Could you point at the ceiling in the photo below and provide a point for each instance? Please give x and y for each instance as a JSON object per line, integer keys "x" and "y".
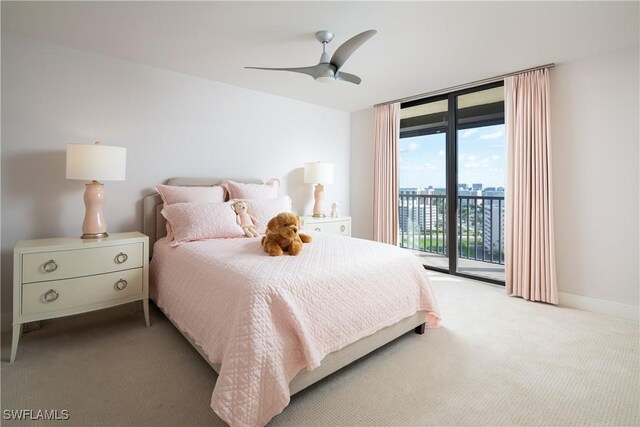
{"x": 420, "y": 46}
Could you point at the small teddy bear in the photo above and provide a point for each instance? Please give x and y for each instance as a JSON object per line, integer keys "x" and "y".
{"x": 282, "y": 235}
{"x": 246, "y": 221}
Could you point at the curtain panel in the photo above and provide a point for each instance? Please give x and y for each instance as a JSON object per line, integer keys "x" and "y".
{"x": 385, "y": 174}
{"x": 530, "y": 270}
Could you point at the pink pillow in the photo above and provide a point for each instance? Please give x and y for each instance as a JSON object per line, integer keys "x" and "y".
{"x": 268, "y": 190}
{"x": 176, "y": 194}
{"x": 264, "y": 210}
{"x": 201, "y": 221}
{"x": 171, "y": 194}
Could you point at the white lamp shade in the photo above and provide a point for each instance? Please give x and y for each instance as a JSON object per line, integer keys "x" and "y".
{"x": 96, "y": 162}
{"x": 318, "y": 173}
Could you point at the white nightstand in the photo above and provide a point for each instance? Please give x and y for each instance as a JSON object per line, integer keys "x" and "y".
{"x": 60, "y": 277}
{"x": 340, "y": 225}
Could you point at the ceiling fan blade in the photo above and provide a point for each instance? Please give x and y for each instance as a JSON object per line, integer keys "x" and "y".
{"x": 347, "y": 48}
{"x": 351, "y": 78}
{"x": 310, "y": 71}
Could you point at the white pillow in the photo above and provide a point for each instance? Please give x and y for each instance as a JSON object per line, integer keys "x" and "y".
{"x": 201, "y": 221}
{"x": 264, "y": 210}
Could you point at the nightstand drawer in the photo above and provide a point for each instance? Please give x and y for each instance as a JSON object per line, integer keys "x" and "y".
{"x": 336, "y": 227}
{"x": 44, "y": 297}
{"x": 45, "y": 266}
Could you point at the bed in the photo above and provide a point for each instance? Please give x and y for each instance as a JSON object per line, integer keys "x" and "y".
{"x": 272, "y": 326}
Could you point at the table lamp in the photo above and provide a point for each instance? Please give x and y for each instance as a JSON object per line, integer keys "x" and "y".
{"x": 318, "y": 173}
{"x": 95, "y": 163}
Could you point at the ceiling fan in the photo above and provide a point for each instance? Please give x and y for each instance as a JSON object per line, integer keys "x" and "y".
{"x": 329, "y": 69}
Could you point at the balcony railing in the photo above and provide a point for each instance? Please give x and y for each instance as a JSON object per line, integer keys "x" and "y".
{"x": 480, "y": 226}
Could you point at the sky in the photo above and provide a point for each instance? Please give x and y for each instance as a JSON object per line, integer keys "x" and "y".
{"x": 481, "y": 158}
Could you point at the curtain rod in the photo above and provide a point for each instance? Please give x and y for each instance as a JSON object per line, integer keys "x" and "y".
{"x": 465, "y": 86}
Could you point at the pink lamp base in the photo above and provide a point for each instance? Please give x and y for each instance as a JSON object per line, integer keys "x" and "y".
{"x": 318, "y": 196}
{"x": 94, "y": 225}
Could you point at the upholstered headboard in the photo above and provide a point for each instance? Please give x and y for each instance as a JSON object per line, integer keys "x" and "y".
{"x": 154, "y": 224}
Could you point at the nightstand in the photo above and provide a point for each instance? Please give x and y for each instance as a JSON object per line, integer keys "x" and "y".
{"x": 340, "y": 225}
{"x": 59, "y": 277}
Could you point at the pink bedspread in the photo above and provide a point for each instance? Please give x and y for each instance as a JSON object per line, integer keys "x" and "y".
{"x": 266, "y": 318}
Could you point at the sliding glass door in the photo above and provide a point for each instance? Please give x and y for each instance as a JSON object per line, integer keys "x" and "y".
{"x": 422, "y": 181}
{"x": 451, "y": 153}
{"x": 480, "y": 183}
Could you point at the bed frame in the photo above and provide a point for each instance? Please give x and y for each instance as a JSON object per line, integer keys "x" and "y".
{"x": 154, "y": 227}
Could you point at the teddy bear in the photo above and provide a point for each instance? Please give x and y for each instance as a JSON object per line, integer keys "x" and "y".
{"x": 282, "y": 235}
{"x": 245, "y": 221}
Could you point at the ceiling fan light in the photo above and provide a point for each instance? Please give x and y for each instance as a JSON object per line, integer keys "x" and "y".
{"x": 325, "y": 79}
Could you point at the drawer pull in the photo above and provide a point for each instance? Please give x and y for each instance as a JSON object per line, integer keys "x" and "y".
{"x": 121, "y": 284}
{"x": 121, "y": 258}
{"x": 51, "y": 296}
{"x": 318, "y": 229}
{"x": 342, "y": 228}
{"x": 50, "y": 266}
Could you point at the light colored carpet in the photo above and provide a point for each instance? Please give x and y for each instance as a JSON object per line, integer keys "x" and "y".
{"x": 495, "y": 361}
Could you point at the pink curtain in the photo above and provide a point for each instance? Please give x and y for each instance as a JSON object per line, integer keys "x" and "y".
{"x": 529, "y": 247}
{"x": 385, "y": 174}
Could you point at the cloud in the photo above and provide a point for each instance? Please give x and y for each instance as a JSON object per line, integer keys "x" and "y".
{"x": 417, "y": 168}
{"x": 411, "y": 147}
{"x": 411, "y": 168}
{"x": 467, "y": 133}
{"x": 441, "y": 153}
{"x": 494, "y": 135}
{"x": 471, "y": 161}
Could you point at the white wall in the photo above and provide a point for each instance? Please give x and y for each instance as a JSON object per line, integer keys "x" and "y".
{"x": 362, "y": 134}
{"x": 172, "y": 125}
{"x": 595, "y": 137}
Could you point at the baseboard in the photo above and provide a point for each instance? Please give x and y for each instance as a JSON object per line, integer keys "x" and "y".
{"x": 5, "y": 322}
{"x": 608, "y": 308}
